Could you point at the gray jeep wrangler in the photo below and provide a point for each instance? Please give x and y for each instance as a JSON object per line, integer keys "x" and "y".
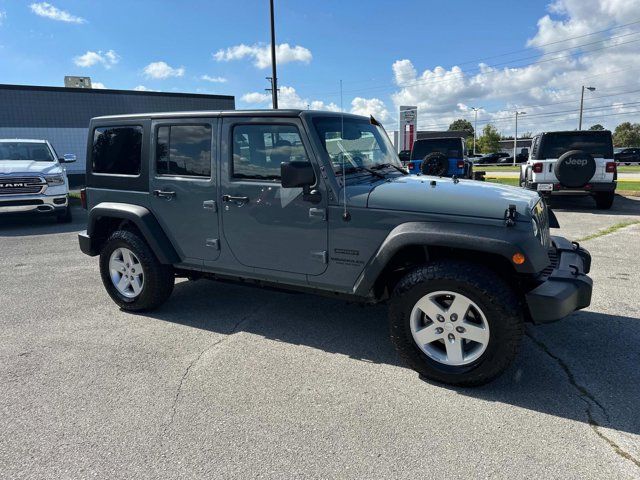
{"x": 319, "y": 202}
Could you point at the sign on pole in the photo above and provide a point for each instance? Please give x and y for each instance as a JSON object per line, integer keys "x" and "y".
{"x": 408, "y": 119}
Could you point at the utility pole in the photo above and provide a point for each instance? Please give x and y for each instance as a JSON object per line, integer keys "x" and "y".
{"x": 475, "y": 127}
{"x": 591, "y": 89}
{"x": 515, "y": 137}
{"x": 274, "y": 76}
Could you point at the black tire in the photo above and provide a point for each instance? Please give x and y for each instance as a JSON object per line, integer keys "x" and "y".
{"x": 158, "y": 278}
{"x": 495, "y": 298}
{"x": 604, "y": 200}
{"x": 575, "y": 168}
{"x": 435, "y": 164}
{"x": 65, "y": 217}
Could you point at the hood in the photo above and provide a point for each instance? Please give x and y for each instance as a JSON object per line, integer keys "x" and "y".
{"x": 467, "y": 197}
{"x": 8, "y": 167}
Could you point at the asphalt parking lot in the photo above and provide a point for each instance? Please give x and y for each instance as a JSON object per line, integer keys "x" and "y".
{"x": 233, "y": 382}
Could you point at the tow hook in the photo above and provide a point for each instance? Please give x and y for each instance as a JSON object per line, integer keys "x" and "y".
{"x": 510, "y": 216}
{"x": 575, "y": 271}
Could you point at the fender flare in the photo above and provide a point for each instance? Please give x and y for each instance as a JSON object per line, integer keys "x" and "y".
{"x": 143, "y": 219}
{"x": 499, "y": 240}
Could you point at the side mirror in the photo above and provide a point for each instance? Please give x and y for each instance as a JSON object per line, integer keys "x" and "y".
{"x": 67, "y": 158}
{"x": 297, "y": 174}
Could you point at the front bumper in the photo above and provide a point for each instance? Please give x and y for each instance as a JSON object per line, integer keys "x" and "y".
{"x": 37, "y": 203}
{"x": 565, "y": 287}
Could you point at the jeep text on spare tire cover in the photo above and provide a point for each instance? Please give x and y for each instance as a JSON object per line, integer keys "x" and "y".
{"x": 575, "y": 168}
{"x": 319, "y": 202}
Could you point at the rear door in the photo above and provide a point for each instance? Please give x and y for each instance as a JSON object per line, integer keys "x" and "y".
{"x": 183, "y": 185}
{"x": 267, "y": 226}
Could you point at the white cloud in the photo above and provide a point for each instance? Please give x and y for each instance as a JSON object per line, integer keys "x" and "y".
{"x": 161, "y": 70}
{"x": 208, "y": 78}
{"x": 142, "y": 88}
{"x": 288, "y": 98}
{"x": 89, "y": 59}
{"x": 44, "y": 9}
{"x": 98, "y": 85}
{"x": 3, "y": 17}
{"x": 370, "y": 106}
{"x": 261, "y": 54}
{"x": 547, "y": 84}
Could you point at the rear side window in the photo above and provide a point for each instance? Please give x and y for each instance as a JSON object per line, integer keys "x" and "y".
{"x": 450, "y": 147}
{"x": 117, "y": 150}
{"x": 554, "y": 144}
{"x": 184, "y": 150}
{"x": 258, "y": 150}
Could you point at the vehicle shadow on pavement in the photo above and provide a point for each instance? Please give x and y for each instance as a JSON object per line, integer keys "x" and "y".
{"x": 26, "y": 225}
{"x": 621, "y": 205}
{"x": 575, "y": 384}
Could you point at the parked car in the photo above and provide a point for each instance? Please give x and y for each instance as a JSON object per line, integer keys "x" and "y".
{"x": 441, "y": 157}
{"x": 491, "y": 158}
{"x": 318, "y": 202}
{"x": 573, "y": 162}
{"x": 627, "y": 155}
{"x": 32, "y": 179}
{"x": 521, "y": 157}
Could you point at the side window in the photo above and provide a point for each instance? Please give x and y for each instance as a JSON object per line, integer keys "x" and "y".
{"x": 258, "y": 150}
{"x": 183, "y": 150}
{"x": 117, "y": 150}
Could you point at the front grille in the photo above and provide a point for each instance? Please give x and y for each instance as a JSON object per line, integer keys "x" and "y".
{"x": 10, "y": 185}
{"x": 541, "y": 215}
{"x": 553, "y": 262}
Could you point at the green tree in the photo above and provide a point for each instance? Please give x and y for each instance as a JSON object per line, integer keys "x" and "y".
{"x": 461, "y": 125}
{"x": 627, "y": 134}
{"x": 597, "y": 126}
{"x": 489, "y": 141}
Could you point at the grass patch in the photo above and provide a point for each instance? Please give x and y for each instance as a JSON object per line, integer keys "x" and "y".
{"x": 75, "y": 195}
{"x": 511, "y": 168}
{"x": 623, "y": 185}
{"x": 514, "y": 182}
{"x": 608, "y": 230}
{"x": 629, "y": 169}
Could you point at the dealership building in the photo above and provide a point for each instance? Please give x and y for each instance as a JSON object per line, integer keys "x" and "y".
{"x": 61, "y": 115}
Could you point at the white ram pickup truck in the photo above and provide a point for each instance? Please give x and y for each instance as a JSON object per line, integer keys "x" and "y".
{"x": 573, "y": 162}
{"x": 32, "y": 179}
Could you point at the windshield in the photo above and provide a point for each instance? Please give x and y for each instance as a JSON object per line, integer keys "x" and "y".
{"x": 356, "y": 141}
{"x": 598, "y": 144}
{"x": 36, "y": 152}
{"x": 450, "y": 147}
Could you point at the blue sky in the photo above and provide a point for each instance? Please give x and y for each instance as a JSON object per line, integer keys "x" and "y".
{"x": 423, "y": 53}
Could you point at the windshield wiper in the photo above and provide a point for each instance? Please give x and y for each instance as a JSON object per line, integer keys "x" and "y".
{"x": 387, "y": 165}
{"x": 360, "y": 168}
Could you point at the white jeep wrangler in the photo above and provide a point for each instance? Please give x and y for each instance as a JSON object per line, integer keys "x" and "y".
{"x": 574, "y": 162}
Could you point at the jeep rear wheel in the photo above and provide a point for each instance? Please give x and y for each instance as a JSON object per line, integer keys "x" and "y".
{"x": 604, "y": 200}
{"x": 131, "y": 273}
{"x": 455, "y": 322}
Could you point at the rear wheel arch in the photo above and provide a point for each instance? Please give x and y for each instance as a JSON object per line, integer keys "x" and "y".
{"x": 105, "y": 218}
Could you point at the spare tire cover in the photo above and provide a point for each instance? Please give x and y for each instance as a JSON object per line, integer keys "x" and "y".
{"x": 435, "y": 164}
{"x": 575, "y": 168}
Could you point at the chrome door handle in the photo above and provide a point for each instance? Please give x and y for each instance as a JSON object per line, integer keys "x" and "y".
{"x": 235, "y": 199}
{"x": 166, "y": 194}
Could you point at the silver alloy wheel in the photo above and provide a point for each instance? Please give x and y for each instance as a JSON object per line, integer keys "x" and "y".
{"x": 449, "y": 328}
{"x": 126, "y": 272}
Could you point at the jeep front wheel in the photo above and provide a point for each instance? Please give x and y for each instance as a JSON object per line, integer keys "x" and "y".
{"x": 131, "y": 273}
{"x": 455, "y": 322}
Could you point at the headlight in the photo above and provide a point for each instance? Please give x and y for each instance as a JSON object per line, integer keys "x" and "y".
{"x": 57, "y": 179}
{"x": 534, "y": 224}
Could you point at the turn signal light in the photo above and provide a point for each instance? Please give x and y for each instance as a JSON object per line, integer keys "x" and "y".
{"x": 610, "y": 167}
{"x": 83, "y": 198}
{"x": 460, "y": 163}
{"x": 537, "y": 167}
{"x": 411, "y": 165}
{"x": 518, "y": 258}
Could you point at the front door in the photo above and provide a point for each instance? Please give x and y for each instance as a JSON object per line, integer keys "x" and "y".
{"x": 184, "y": 188}
{"x": 267, "y": 226}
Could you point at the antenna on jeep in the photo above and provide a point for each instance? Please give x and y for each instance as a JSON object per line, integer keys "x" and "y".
{"x": 346, "y": 216}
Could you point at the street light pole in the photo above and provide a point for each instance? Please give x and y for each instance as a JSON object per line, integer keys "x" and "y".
{"x": 274, "y": 81}
{"x": 515, "y": 137}
{"x": 475, "y": 127}
{"x": 591, "y": 89}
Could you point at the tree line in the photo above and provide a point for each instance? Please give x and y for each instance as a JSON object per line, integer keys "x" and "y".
{"x": 626, "y": 134}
